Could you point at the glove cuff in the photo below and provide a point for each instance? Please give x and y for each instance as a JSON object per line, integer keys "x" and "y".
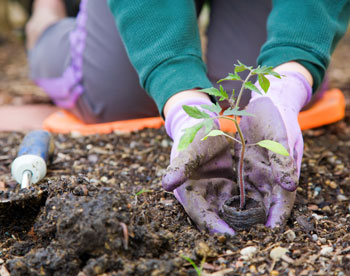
{"x": 292, "y": 90}
{"x": 177, "y": 119}
{"x": 306, "y": 90}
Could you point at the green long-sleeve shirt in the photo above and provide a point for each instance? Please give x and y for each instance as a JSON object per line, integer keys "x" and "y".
{"x": 162, "y": 40}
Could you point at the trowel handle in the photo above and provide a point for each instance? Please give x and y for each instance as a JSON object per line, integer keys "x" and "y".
{"x": 37, "y": 142}
{"x": 34, "y": 153}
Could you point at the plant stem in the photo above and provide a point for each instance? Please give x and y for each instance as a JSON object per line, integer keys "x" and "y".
{"x": 241, "y": 90}
{"x": 241, "y": 160}
{"x": 240, "y": 169}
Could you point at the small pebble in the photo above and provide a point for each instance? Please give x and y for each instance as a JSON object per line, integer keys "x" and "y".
{"x": 342, "y": 198}
{"x": 221, "y": 260}
{"x": 323, "y": 240}
{"x": 93, "y": 158}
{"x": 314, "y": 237}
{"x": 317, "y": 191}
{"x": 165, "y": 143}
{"x": 222, "y": 238}
{"x": 274, "y": 273}
{"x": 133, "y": 144}
{"x": 253, "y": 269}
{"x": 290, "y": 235}
{"x": 278, "y": 252}
{"x": 104, "y": 179}
{"x": 1, "y": 261}
{"x": 317, "y": 217}
{"x": 333, "y": 185}
{"x": 249, "y": 251}
{"x": 326, "y": 250}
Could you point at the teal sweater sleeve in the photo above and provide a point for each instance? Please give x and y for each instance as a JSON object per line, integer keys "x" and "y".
{"x": 305, "y": 31}
{"x": 162, "y": 41}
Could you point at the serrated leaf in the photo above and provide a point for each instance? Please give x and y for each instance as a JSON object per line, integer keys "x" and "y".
{"x": 216, "y": 92}
{"x": 208, "y": 125}
{"x": 266, "y": 70}
{"x": 262, "y": 70}
{"x": 216, "y": 108}
{"x": 240, "y": 68}
{"x": 235, "y": 111}
{"x": 187, "y": 138}
{"x": 243, "y": 65}
{"x": 264, "y": 82}
{"x": 275, "y": 74}
{"x": 214, "y": 132}
{"x": 231, "y": 77}
{"x": 194, "y": 112}
{"x": 273, "y": 146}
{"x": 252, "y": 87}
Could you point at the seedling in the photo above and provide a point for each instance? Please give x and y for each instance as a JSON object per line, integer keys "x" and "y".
{"x": 142, "y": 191}
{"x": 232, "y": 114}
{"x": 199, "y": 270}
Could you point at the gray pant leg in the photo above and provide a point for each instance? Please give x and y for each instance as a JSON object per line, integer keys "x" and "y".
{"x": 51, "y": 54}
{"x": 237, "y": 30}
{"x": 112, "y": 89}
{"x": 111, "y": 86}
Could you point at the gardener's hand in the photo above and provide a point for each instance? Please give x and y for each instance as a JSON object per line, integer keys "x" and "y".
{"x": 271, "y": 177}
{"x": 201, "y": 173}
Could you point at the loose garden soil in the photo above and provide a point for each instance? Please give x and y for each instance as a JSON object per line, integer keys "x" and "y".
{"x": 86, "y": 218}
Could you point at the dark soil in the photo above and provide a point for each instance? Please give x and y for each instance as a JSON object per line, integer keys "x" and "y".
{"x": 89, "y": 221}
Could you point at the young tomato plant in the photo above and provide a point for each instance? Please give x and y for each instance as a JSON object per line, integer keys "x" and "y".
{"x": 232, "y": 114}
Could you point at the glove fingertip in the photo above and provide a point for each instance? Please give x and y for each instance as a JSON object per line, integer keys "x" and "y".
{"x": 172, "y": 180}
{"x": 222, "y": 228}
{"x": 290, "y": 186}
{"x": 287, "y": 182}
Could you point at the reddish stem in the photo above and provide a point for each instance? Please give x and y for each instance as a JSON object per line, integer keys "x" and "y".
{"x": 241, "y": 180}
{"x": 241, "y": 167}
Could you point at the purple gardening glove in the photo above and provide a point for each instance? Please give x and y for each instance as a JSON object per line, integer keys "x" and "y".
{"x": 270, "y": 177}
{"x": 202, "y": 173}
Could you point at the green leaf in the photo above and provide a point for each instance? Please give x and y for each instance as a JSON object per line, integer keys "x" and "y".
{"x": 214, "y": 132}
{"x": 231, "y": 77}
{"x": 275, "y": 74}
{"x": 216, "y": 92}
{"x": 188, "y": 136}
{"x": 242, "y": 66}
{"x": 208, "y": 125}
{"x": 143, "y": 191}
{"x": 252, "y": 87}
{"x": 194, "y": 112}
{"x": 198, "y": 270}
{"x": 264, "y": 82}
{"x": 235, "y": 111}
{"x": 216, "y": 108}
{"x": 262, "y": 70}
{"x": 266, "y": 70}
{"x": 273, "y": 146}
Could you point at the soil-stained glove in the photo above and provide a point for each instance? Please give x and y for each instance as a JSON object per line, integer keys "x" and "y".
{"x": 202, "y": 174}
{"x": 271, "y": 177}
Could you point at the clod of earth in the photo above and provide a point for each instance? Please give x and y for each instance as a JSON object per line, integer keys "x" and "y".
{"x": 238, "y": 219}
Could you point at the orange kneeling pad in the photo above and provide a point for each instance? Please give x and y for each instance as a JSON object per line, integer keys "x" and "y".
{"x": 329, "y": 109}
